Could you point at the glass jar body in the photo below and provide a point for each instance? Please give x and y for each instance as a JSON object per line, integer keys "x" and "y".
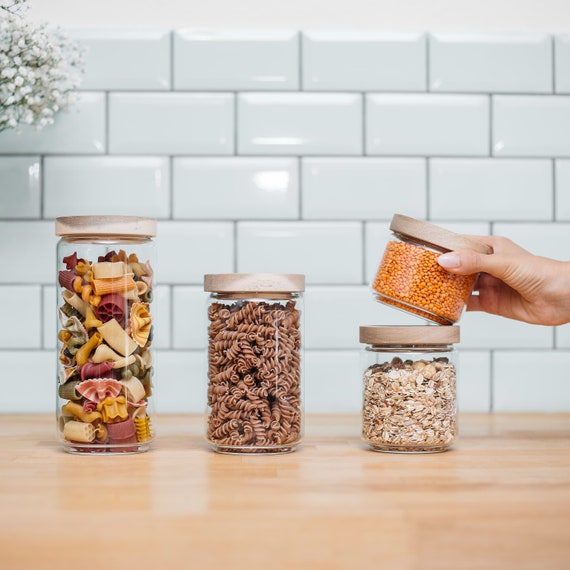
{"x": 409, "y": 398}
{"x": 410, "y": 278}
{"x": 105, "y": 330}
{"x": 255, "y": 356}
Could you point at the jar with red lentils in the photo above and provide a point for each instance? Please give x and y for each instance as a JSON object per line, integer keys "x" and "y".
{"x": 410, "y": 278}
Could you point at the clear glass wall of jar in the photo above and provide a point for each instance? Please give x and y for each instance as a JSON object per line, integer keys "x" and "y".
{"x": 410, "y": 278}
{"x": 409, "y": 387}
{"x": 255, "y": 355}
{"x": 105, "y": 268}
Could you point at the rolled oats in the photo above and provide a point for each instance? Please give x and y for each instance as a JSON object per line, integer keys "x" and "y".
{"x": 410, "y": 405}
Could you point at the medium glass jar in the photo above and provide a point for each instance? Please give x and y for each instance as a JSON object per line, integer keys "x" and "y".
{"x": 409, "y": 381}
{"x": 105, "y": 268}
{"x": 410, "y": 278}
{"x": 255, "y": 356}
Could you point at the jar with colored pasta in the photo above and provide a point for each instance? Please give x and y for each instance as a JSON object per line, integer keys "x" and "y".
{"x": 105, "y": 267}
{"x": 255, "y": 357}
{"x": 409, "y": 388}
{"x": 410, "y": 278}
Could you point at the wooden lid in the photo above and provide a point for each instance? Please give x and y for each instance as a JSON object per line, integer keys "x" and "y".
{"x": 254, "y": 282}
{"x": 433, "y": 235}
{"x": 428, "y": 335}
{"x": 105, "y": 226}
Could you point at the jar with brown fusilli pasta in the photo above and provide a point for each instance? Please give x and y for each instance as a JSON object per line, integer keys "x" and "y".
{"x": 409, "y": 381}
{"x": 254, "y": 362}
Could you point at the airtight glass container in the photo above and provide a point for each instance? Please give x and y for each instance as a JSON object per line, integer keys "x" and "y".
{"x": 105, "y": 285}
{"x": 255, "y": 356}
{"x": 409, "y": 388}
{"x": 410, "y": 278}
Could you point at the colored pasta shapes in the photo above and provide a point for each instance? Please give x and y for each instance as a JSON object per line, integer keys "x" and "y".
{"x": 105, "y": 361}
{"x": 254, "y": 394}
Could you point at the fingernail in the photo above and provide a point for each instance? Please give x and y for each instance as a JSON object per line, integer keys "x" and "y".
{"x": 449, "y": 260}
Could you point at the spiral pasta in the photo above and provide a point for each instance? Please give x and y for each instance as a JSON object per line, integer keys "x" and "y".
{"x": 254, "y": 375}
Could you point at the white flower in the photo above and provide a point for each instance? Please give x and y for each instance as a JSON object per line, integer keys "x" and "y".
{"x": 39, "y": 69}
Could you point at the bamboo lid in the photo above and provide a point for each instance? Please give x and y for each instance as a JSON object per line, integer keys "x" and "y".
{"x": 430, "y": 234}
{"x": 414, "y": 334}
{"x": 254, "y": 282}
{"x": 105, "y": 226}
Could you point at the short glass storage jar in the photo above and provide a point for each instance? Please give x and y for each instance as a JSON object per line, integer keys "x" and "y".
{"x": 255, "y": 356}
{"x": 410, "y": 278}
{"x": 409, "y": 387}
{"x": 105, "y": 267}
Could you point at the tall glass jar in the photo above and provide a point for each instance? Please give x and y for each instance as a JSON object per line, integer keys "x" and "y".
{"x": 105, "y": 268}
{"x": 410, "y": 278}
{"x": 409, "y": 382}
{"x": 254, "y": 362}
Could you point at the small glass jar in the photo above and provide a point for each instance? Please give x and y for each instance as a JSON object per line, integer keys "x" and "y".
{"x": 409, "y": 381}
{"x": 255, "y": 356}
{"x": 105, "y": 268}
{"x": 410, "y": 278}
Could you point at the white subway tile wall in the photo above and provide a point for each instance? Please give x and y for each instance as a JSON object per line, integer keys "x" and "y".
{"x": 289, "y": 151}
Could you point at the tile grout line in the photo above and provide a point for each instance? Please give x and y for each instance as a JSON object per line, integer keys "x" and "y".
{"x": 491, "y": 105}
{"x": 428, "y": 186}
{"x": 491, "y": 380}
{"x": 554, "y": 193}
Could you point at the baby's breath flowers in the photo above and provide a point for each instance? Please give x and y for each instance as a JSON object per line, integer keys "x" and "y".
{"x": 39, "y": 69}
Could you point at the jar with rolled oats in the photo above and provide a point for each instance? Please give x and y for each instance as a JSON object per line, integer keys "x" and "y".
{"x": 409, "y": 381}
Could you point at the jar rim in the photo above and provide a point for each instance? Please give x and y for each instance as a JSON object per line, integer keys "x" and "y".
{"x": 431, "y": 234}
{"x": 388, "y": 335}
{"x": 254, "y": 282}
{"x": 70, "y": 226}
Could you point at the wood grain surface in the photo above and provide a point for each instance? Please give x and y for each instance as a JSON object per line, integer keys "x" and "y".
{"x": 500, "y": 499}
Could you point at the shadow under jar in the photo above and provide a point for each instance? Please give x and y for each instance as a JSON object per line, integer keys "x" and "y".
{"x": 409, "y": 388}
{"x": 105, "y": 365}
{"x": 254, "y": 362}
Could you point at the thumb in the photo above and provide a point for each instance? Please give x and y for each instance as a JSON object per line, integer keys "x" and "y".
{"x": 468, "y": 262}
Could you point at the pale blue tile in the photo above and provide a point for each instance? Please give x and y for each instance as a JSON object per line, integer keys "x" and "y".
{"x": 181, "y": 381}
{"x": 354, "y": 306}
{"x": 363, "y": 188}
{"x": 119, "y": 185}
{"x": 481, "y": 330}
{"x": 531, "y": 381}
{"x": 427, "y": 124}
{"x": 546, "y": 239}
{"x": 27, "y": 252}
{"x": 81, "y": 129}
{"x": 171, "y": 123}
{"x": 562, "y": 63}
{"x": 257, "y": 60}
{"x": 531, "y": 125}
{"x": 299, "y": 123}
{"x": 562, "y": 178}
{"x": 473, "y": 381}
{"x": 490, "y": 62}
{"x": 189, "y": 250}
{"x": 236, "y": 188}
{"x": 490, "y": 189}
{"x": 38, "y": 393}
{"x": 21, "y": 316}
{"x": 333, "y": 382}
{"x": 20, "y": 187}
{"x": 326, "y": 252}
{"x": 190, "y": 321}
{"x": 363, "y": 61}
{"x": 125, "y": 59}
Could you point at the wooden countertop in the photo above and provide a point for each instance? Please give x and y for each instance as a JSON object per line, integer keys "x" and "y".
{"x": 500, "y": 499}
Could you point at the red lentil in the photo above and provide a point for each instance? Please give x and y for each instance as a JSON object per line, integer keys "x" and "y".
{"x": 410, "y": 278}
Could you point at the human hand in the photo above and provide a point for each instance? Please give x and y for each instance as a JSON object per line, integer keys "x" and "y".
{"x": 514, "y": 283}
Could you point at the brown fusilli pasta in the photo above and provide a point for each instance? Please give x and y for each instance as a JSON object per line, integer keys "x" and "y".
{"x": 254, "y": 392}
